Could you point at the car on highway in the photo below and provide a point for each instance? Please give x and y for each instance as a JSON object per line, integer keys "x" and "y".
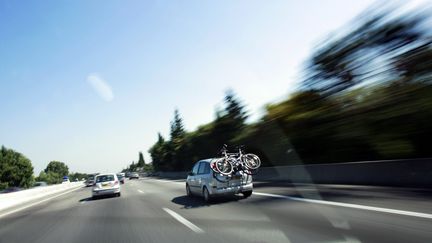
{"x": 66, "y": 179}
{"x": 134, "y": 175}
{"x": 90, "y": 180}
{"x": 11, "y": 189}
{"x": 121, "y": 177}
{"x": 40, "y": 184}
{"x": 203, "y": 181}
{"x": 106, "y": 184}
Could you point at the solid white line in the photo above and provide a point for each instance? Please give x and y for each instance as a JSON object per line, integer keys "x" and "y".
{"x": 36, "y": 203}
{"x": 170, "y": 181}
{"x": 140, "y": 191}
{"x": 184, "y": 221}
{"x": 349, "y": 205}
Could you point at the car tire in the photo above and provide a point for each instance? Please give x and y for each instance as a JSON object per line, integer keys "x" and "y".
{"x": 118, "y": 194}
{"x": 247, "y": 194}
{"x": 188, "y": 191}
{"x": 206, "y": 195}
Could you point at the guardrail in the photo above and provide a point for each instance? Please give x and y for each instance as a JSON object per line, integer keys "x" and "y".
{"x": 409, "y": 172}
{"x": 8, "y": 200}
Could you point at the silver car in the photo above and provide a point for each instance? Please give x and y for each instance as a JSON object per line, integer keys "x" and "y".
{"x": 106, "y": 184}
{"x": 203, "y": 181}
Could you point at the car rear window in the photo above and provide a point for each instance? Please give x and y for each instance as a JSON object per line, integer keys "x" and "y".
{"x": 104, "y": 178}
{"x": 207, "y": 168}
{"x": 203, "y": 168}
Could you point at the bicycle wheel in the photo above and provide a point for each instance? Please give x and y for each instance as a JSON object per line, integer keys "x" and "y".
{"x": 213, "y": 166}
{"x": 251, "y": 161}
{"x": 224, "y": 166}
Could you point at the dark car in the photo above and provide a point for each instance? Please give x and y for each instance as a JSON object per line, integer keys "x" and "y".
{"x": 134, "y": 175}
{"x": 40, "y": 183}
{"x": 121, "y": 178}
{"x": 90, "y": 181}
{"x": 11, "y": 189}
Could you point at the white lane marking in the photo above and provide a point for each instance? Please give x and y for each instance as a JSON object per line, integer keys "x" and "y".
{"x": 140, "y": 191}
{"x": 168, "y": 181}
{"x": 184, "y": 221}
{"x": 36, "y": 203}
{"x": 349, "y": 205}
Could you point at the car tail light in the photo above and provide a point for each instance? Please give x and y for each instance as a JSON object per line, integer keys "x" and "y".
{"x": 115, "y": 182}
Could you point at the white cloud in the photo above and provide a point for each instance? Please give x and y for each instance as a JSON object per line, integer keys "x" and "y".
{"x": 102, "y": 88}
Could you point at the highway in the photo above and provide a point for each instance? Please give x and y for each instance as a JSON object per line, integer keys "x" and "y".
{"x": 154, "y": 210}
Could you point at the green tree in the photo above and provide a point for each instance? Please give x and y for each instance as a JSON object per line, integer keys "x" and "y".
{"x": 177, "y": 146}
{"x": 77, "y": 175}
{"x": 57, "y": 167}
{"x": 54, "y": 172}
{"x": 370, "y": 51}
{"x": 177, "y": 132}
{"x": 160, "y": 154}
{"x": 15, "y": 169}
{"x": 50, "y": 177}
{"x": 230, "y": 121}
{"x": 141, "y": 161}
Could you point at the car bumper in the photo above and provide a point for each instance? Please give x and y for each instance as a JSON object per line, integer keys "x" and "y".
{"x": 105, "y": 191}
{"x": 231, "y": 190}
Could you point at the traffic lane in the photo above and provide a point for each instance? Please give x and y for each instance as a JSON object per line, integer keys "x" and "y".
{"x": 221, "y": 222}
{"x": 241, "y": 219}
{"x": 130, "y": 218}
{"x": 298, "y": 221}
{"x": 77, "y": 218}
{"x": 30, "y": 224}
{"x": 410, "y": 199}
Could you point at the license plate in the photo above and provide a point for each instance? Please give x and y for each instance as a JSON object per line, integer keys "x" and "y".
{"x": 105, "y": 185}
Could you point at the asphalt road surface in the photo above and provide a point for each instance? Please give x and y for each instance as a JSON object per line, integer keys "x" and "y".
{"x": 151, "y": 210}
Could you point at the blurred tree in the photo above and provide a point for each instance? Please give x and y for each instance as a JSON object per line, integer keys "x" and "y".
{"x": 54, "y": 172}
{"x": 230, "y": 121}
{"x": 177, "y": 130}
{"x": 57, "y": 167}
{"x": 160, "y": 154}
{"x": 141, "y": 161}
{"x": 77, "y": 175}
{"x": 365, "y": 52}
{"x": 367, "y": 95}
{"x": 177, "y": 144}
{"x": 15, "y": 169}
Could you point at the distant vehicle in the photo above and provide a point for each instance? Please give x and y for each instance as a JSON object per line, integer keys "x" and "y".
{"x": 40, "y": 183}
{"x": 203, "y": 181}
{"x": 11, "y": 189}
{"x": 121, "y": 177}
{"x": 90, "y": 180}
{"x": 127, "y": 174}
{"x": 106, "y": 184}
{"x": 66, "y": 179}
{"x": 134, "y": 175}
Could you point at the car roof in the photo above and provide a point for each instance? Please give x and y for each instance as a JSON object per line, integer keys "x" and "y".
{"x": 207, "y": 160}
{"x": 106, "y": 174}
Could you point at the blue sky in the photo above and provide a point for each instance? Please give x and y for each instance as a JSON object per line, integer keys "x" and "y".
{"x": 92, "y": 82}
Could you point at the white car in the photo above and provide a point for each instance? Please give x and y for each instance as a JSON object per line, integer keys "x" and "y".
{"x": 106, "y": 184}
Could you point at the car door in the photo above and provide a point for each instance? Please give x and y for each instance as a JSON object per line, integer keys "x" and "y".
{"x": 201, "y": 175}
{"x": 192, "y": 181}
